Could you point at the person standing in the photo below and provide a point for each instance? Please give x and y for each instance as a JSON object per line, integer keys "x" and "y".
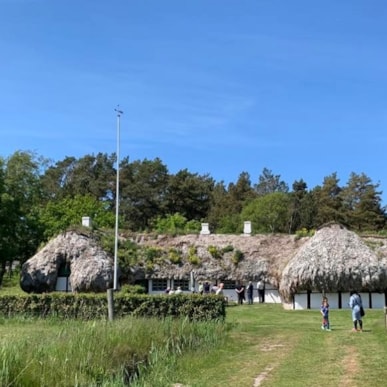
{"x": 240, "y": 290}
{"x": 261, "y": 290}
{"x": 250, "y": 291}
{"x": 325, "y": 314}
{"x": 356, "y": 305}
{"x": 219, "y": 291}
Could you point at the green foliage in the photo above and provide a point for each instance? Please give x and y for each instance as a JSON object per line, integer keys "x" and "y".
{"x": 328, "y": 201}
{"x": 362, "y": 203}
{"x": 237, "y": 257}
{"x": 176, "y": 224}
{"x": 192, "y": 227}
{"x": 149, "y": 267}
{"x": 11, "y": 279}
{"x": 270, "y": 183}
{"x": 174, "y": 256}
{"x": 229, "y": 224}
{"x": 57, "y": 216}
{"x": 214, "y": 251}
{"x": 189, "y": 194}
{"x": 193, "y": 258}
{"x": 133, "y": 289}
{"x": 92, "y": 175}
{"x": 227, "y": 249}
{"x": 269, "y": 213}
{"x": 171, "y": 224}
{"x": 192, "y": 250}
{"x": 144, "y": 187}
{"x": 304, "y": 233}
{"x": 151, "y": 254}
{"x": 20, "y": 197}
{"x": 94, "y": 306}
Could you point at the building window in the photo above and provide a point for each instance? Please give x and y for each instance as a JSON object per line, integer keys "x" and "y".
{"x": 183, "y": 283}
{"x": 228, "y": 284}
{"x": 159, "y": 285}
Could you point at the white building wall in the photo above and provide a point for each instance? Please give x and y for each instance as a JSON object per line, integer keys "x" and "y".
{"x": 63, "y": 284}
{"x": 272, "y": 296}
{"x": 378, "y": 301}
{"x": 301, "y": 301}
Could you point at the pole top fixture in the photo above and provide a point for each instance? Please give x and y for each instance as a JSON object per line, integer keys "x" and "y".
{"x": 118, "y": 111}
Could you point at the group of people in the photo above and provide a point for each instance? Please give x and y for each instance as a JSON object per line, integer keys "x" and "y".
{"x": 249, "y": 289}
{"x": 173, "y": 291}
{"x": 355, "y": 303}
{"x": 207, "y": 288}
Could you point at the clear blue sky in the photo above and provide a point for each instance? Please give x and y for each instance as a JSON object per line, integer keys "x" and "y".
{"x": 214, "y": 86}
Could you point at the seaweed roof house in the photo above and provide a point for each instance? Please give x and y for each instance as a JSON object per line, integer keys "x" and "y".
{"x": 87, "y": 266}
{"x": 297, "y": 271}
{"x": 334, "y": 261}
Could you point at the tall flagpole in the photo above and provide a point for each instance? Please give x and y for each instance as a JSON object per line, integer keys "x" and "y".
{"x": 115, "y": 284}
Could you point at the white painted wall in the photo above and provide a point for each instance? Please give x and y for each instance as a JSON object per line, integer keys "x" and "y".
{"x": 61, "y": 284}
{"x": 301, "y": 300}
{"x": 272, "y": 296}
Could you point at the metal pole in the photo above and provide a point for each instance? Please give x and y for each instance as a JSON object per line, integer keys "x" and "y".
{"x": 110, "y": 304}
{"x": 115, "y": 285}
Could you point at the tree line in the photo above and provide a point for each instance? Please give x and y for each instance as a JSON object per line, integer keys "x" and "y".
{"x": 40, "y": 198}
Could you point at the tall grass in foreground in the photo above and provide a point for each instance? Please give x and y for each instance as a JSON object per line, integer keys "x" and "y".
{"x": 73, "y": 353}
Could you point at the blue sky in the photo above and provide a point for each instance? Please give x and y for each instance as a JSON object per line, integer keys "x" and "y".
{"x": 215, "y": 86}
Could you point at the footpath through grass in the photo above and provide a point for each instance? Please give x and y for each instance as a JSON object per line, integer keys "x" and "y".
{"x": 268, "y": 346}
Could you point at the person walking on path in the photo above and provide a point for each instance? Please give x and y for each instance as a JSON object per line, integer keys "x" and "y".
{"x": 250, "y": 291}
{"x": 356, "y": 305}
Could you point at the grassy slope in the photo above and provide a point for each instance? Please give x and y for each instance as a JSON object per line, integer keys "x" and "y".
{"x": 268, "y": 346}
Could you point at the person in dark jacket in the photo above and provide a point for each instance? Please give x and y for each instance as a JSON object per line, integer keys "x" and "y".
{"x": 240, "y": 290}
{"x": 250, "y": 292}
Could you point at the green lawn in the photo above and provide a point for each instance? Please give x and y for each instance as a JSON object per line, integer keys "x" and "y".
{"x": 259, "y": 345}
{"x": 268, "y": 346}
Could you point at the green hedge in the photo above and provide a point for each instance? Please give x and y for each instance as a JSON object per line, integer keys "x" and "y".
{"x": 95, "y": 306}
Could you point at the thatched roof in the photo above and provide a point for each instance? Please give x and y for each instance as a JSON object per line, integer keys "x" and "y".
{"x": 334, "y": 259}
{"x": 264, "y": 256}
{"x": 91, "y": 267}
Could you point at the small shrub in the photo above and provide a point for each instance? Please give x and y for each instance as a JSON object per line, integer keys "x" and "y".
{"x": 149, "y": 267}
{"x": 227, "y": 249}
{"x": 194, "y": 259}
{"x": 133, "y": 289}
{"x": 304, "y": 232}
{"x": 214, "y": 251}
{"x": 192, "y": 250}
{"x": 192, "y": 227}
{"x": 174, "y": 256}
{"x": 237, "y": 257}
{"x": 151, "y": 253}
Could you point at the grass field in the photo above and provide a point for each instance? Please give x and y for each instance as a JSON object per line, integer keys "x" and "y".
{"x": 259, "y": 345}
{"x": 268, "y": 346}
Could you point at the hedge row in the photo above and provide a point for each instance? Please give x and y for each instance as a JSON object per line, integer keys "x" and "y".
{"x": 95, "y": 306}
